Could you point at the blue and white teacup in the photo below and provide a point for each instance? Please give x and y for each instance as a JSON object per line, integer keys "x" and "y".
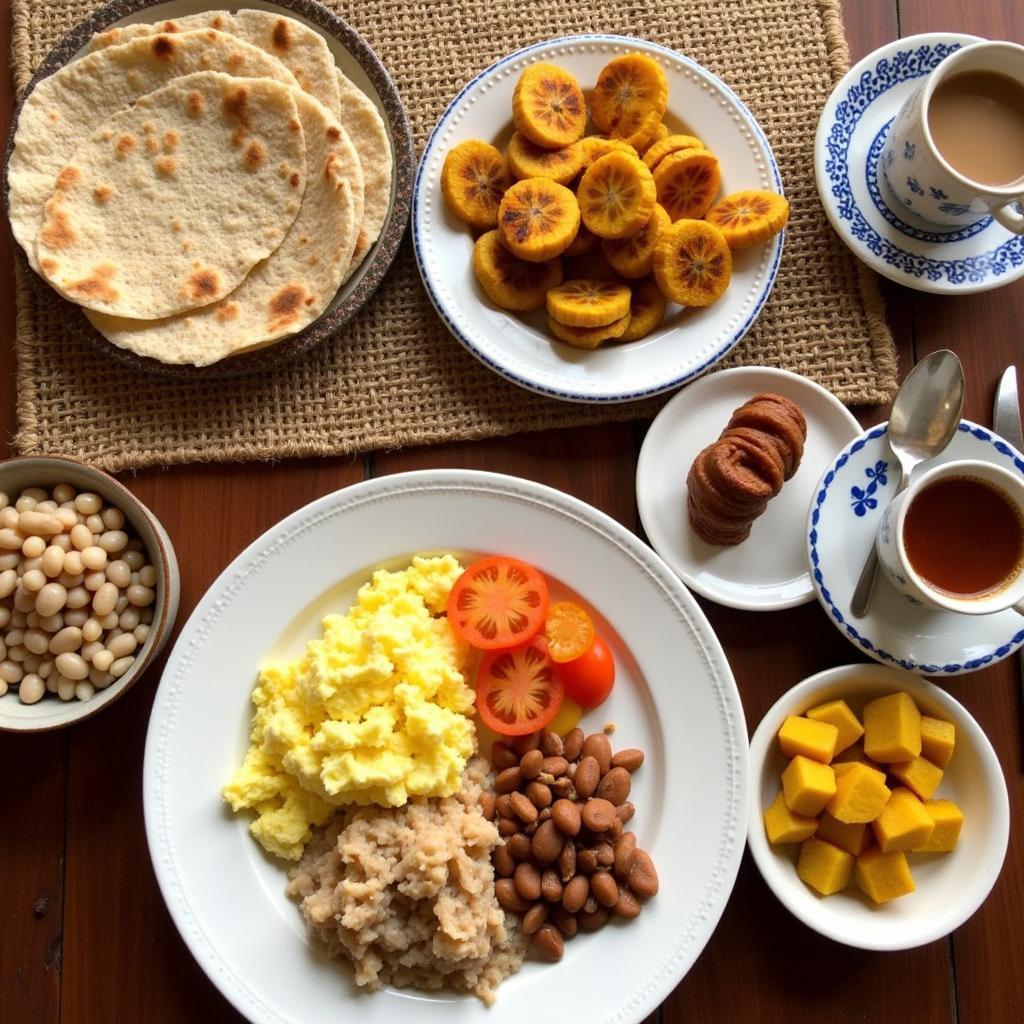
{"x": 892, "y": 551}
{"x": 922, "y": 179}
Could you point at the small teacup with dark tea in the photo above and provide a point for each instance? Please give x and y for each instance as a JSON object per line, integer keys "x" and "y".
{"x": 954, "y": 539}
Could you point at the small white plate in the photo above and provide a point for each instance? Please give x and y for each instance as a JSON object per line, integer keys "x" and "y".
{"x": 950, "y": 887}
{"x": 842, "y": 525}
{"x": 520, "y": 347}
{"x": 227, "y": 897}
{"x": 861, "y": 206}
{"x": 768, "y": 570}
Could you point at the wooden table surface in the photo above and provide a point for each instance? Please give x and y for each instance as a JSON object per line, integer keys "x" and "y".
{"x": 84, "y": 936}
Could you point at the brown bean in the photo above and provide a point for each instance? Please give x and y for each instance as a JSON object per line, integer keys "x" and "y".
{"x": 551, "y": 886}
{"x": 625, "y": 847}
{"x": 539, "y": 794}
{"x": 615, "y": 786}
{"x": 547, "y": 940}
{"x": 603, "y": 886}
{"x": 502, "y": 756}
{"x": 575, "y": 894}
{"x": 523, "y": 744}
{"x": 628, "y": 905}
{"x": 586, "y": 861}
{"x": 509, "y": 780}
{"x": 605, "y": 854}
{"x": 566, "y": 815}
{"x": 642, "y": 877}
{"x": 598, "y": 815}
{"x": 567, "y": 860}
{"x": 519, "y": 846}
{"x": 531, "y": 828}
{"x": 565, "y": 922}
{"x": 544, "y": 813}
{"x": 616, "y": 830}
{"x": 547, "y": 842}
{"x": 503, "y": 806}
{"x": 572, "y": 744}
{"x": 562, "y": 787}
{"x": 534, "y": 918}
{"x": 555, "y": 766}
{"x": 508, "y": 896}
{"x": 487, "y": 802}
{"x": 592, "y": 921}
{"x": 588, "y": 775}
{"x": 531, "y": 763}
{"x": 598, "y": 746}
{"x": 507, "y": 827}
{"x": 630, "y": 759}
{"x": 551, "y": 744}
{"x": 527, "y": 881}
{"x": 523, "y": 808}
{"x": 504, "y": 862}
{"x": 625, "y": 811}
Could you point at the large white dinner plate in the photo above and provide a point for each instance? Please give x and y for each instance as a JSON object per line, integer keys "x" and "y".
{"x": 519, "y": 347}
{"x": 674, "y": 697}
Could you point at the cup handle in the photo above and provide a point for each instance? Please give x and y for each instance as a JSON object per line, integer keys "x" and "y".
{"x": 1010, "y": 216}
{"x": 1018, "y": 607}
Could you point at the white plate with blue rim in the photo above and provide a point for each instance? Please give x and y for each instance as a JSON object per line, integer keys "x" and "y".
{"x": 519, "y": 347}
{"x": 896, "y": 630}
{"x": 862, "y": 208}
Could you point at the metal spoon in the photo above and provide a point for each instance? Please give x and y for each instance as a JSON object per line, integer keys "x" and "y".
{"x": 924, "y": 418}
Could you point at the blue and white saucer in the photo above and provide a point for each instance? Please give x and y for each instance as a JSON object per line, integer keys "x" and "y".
{"x": 861, "y": 206}
{"x": 841, "y": 528}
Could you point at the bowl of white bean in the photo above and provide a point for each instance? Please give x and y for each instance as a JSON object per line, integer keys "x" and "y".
{"x": 89, "y": 591}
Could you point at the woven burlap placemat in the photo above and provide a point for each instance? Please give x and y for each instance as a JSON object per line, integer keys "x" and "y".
{"x": 394, "y": 376}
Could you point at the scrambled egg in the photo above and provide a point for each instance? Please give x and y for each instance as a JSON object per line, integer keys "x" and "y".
{"x": 374, "y": 712}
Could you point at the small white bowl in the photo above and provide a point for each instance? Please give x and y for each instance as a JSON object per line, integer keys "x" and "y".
{"x": 951, "y": 886}
{"x": 43, "y": 471}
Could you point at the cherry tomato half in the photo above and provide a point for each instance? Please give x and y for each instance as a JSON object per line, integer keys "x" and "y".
{"x": 517, "y": 690}
{"x": 498, "y": 602}
{"x": 588, "y": 679}
{"x": 569, "y": 631}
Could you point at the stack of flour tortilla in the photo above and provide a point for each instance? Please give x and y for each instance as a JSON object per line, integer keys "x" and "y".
{"x": 202, "y": 186}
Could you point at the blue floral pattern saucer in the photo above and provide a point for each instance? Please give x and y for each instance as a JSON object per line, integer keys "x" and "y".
{"x": 877, "y": 227}
{"x": 845, "y": 513}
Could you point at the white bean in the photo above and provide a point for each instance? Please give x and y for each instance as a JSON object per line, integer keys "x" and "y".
{"x": 74, "y": 564}
{"x": 33, "y": 547}
{"x": 65, "y": 688}
{"x": 91, "y": 648}
{"x": 47, "y": 505}
{"x": 78, "y": 597}
{"x": 81, "y": 537}
{"x": 41, "y": 523}
{"x": 51, "y": 623}
{"x": 75, "y": 617}
{"x": 51, "y": 682}
{"x": 25, "y": 503}
{"x": 18, "y": 653}
{"x": 113, "y": 540}
{"x": 8, "y": 581}
{"x": 101, "y": 680}
{"x": 19, "y": 620}
{"x": 91, "y": 630}
{"x": 72, "y": 666}
{"x": 9, "y": 518}
{"x": 120, "y": 666}
{"x": 119, "y": 573}
{"x": 37, "y": 641}
{"x": 45, "y": 668}
{"x": 31, "y": 689}
{"x": 14, "y": 637}
{"x": 35, "y": 493}
{"x": 9, "y": 560}
{"x": 95, "y": 524}
{"x": 129, "y": 618}
{"x": 109, "y": 621}
{"x": 113, "y": 518}
{"x": 64, "y": 492}
{"x": 122, "y": 602}
{"x": 30, "y": 666}
{"x": 66, "y": 517}
{"x": 141, "y": 596}
{"x": 114, "y": 633}
{"x": 102, "y": 660}
{"x": 24, "y": 601}
{"x": 34, "y": 580}
{"x": 53, "y": 561}
{"x": 94, "y": 558}
{"x": 84, "y": 690}
{"x": 88, "y": 503}
{"x": 10, "y": 671}
{"x": 51, "y": 599}
{"x": 68, "y": 639}
{"x": 28, "y": 564}
{"x": 62, "y": 541}
{"x": 134, "y": 559}
{"x": 11, "y": 540}
{"x": 105, "y": 599}
{"x": 147, "y": 576}
{"x": 94, "y": 580}
{"x": 122, "y": 645}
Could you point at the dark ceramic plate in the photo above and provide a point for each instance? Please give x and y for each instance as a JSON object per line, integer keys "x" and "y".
{"x": 363, "y": 67}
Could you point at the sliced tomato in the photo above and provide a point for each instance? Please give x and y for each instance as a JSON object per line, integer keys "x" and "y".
{"x": 517, "y": 690}
{"x": 589, "y": 678}
{"x": 569, "y": 630}
{"x": 498, "y": 602}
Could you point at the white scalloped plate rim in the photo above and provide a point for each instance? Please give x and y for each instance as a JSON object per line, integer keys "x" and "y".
{"x": 674, "y": 928}
{"x": 478, "y": 326}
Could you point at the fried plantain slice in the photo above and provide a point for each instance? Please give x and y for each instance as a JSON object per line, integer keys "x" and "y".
{"x": 749, "y": 217}
{"x": 538, "y": 219}
{"x": 646, "y": 309}
{"x": 692, "y": 263}
{"x": 588, "y": 302}
{"x": 630, "y": 89}
{"x": 473, "y": 180}
{"x": 631, "y": 257}
{"x": 548, "y": 106}
{"x": 616, "y": 196}
{"x": 508, "y": 281}
{"x": 687, "y": 183}
{"x": 661, "y": 148}
{"x": 588, "y": 337}
{"x": 528, "y": 160}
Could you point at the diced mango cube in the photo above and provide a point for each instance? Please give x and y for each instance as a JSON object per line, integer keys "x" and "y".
{"x": 892, "y": 728}
{"x": 816, "y": 740}
{"x": 808, "y": 785}
{"x": 920, "y": 775}
{"x": 853, "y": 837}
{"x": 948, "y": 819}
{"x": 861, "y": 793}
{"x": 824, "y": 867}
{"x": 883, "y": 876}
{"x": 781, "y": 825}
{"x": 905, "y": 824}
{"x": 838, "y": 713}
{"x": 938, "y": 738}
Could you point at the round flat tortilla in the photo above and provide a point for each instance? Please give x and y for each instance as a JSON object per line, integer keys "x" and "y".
{"x": 170, "y": 203}
{"x": 64, "y": 109}
{"x": 299, "y": 48}
{"x": 365, "y": 127}
{"x": 288, "y": 290}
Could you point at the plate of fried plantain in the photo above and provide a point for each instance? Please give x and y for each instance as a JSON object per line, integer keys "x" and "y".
{"x": 598, "y": 218}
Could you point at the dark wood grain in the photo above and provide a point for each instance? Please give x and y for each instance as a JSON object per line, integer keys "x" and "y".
{"x": 85, "y": 937}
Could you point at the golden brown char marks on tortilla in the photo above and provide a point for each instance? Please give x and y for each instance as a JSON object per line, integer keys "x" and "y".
{"x": 68, "y": 177}
{"x": 236, "y": 61}
{"x": 227, "y": 311}
{"x": 101, "y": 193}
{"x": 255, "y": 154}
{"x": 333, "y": 132}
{"x": 295, "y": 125}
{"x": 236, "y": 104}
{"x": 152, "y": 146}
{"x": 171, "y": 140}
{"x": 165, "y": 166}
{"x": 285, "y": 305}
{"x": 218, "y": 22}
{"x": 125, "y": 144}
{"x": 48, "y": 266}
{"x": 202, "y": 283}
{"x": 281, "y": 36}
{"x": 57, "y": 232}
{"x": 194, "y": 104}
{"x": 295, "y": 179}
{"x": 97, "y": 284}
{"x": 163, "y": 47}
{"x": 54, "y": 116}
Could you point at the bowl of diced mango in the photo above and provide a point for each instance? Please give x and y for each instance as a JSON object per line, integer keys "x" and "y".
{"x": 879, "y": 814}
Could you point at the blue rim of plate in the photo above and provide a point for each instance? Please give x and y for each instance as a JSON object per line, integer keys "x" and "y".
{"x": 950, "y": 668}
{"x": 865, "y": 85}
{"x": 467, "y": 343}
